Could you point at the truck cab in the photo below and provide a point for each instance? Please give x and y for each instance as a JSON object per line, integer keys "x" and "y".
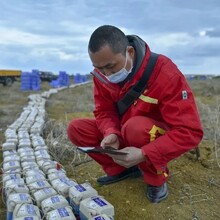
{"x": 7, "y": 77}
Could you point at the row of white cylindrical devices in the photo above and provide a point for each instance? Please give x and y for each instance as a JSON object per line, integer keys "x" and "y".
{"x": 34, "y": 185}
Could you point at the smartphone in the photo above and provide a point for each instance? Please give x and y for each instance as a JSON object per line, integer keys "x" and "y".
{"x": 100, "y": 150}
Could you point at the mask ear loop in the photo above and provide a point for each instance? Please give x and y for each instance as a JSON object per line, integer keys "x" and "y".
{"x": 129, "y": 71}
{"x": 127, "y": 61}
{"x": 131, "y": 66}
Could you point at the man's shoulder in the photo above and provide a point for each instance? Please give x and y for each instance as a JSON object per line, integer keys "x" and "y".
{"x": 167, "y": 68}
{"x": 165, "y": 71}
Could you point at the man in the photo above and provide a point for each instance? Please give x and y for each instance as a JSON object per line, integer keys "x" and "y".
{"x": 160, "y": 125}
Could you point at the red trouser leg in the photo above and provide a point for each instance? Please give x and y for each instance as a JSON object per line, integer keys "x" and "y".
{"x": 136, "y": 132}
{"x": 84, "y": 132}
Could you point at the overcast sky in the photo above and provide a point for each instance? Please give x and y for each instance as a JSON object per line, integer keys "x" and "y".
{"x": 52, "y": 35}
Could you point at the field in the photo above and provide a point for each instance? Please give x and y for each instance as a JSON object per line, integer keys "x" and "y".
{"x": 194, "y": 185}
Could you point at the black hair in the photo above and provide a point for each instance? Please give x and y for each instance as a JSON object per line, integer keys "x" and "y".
{"x": 108, "y": 35}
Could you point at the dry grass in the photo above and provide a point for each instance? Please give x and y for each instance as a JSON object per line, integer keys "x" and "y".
{"x": 194, "y": 185}
{"x": 71, "y": 103}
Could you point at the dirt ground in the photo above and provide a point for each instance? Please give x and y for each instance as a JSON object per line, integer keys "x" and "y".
{"x": 194, "y": 185}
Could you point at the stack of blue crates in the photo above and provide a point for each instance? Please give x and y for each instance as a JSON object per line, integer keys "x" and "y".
{"x": 35, "y": 80}
{"x": 62, "y": 80}
{"x": 30, "y": 80}
{"x": 78, "y": 78}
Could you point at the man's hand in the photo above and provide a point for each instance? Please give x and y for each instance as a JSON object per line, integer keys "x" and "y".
{"x": 110, "y": 140}
{"x": 132, "y": 158}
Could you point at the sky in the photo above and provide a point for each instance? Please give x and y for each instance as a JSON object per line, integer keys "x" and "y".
{"x": 53, "y": 35}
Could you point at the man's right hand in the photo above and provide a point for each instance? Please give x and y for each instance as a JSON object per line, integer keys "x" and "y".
{"x": 111, "y": 140}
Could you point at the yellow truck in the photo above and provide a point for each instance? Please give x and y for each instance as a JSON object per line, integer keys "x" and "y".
{"x": 7, "y": 77}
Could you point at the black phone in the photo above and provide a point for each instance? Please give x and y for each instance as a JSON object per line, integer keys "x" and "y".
{"x": 100, "y": 150}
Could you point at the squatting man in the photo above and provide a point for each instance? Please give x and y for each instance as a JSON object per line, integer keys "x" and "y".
{"x": 160, "y": 125}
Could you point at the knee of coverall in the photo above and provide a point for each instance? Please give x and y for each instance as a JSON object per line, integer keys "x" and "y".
{"x": 72, "y": 129}
{"x": 140, "y": 130}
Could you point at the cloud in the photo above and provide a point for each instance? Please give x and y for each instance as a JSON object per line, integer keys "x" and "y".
{"x": 215, "y": 32}
{"x": 54, "y": 35}
{"x": 13, "y": 36}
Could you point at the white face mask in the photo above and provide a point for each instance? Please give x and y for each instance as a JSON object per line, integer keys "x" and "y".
{"x": 121, "y": 75}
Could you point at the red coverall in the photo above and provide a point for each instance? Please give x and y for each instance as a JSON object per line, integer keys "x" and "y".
{"x": 163, "y": 122}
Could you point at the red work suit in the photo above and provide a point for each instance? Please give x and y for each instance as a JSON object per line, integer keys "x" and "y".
{"x": 163, "y": 121}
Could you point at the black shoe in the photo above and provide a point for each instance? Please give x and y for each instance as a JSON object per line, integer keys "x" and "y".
{"x": 130, "y": 172}
{"x": 157, "y": 193}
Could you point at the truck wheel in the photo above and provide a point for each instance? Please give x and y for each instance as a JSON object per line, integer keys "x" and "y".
{"x": 8, "y": 81}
